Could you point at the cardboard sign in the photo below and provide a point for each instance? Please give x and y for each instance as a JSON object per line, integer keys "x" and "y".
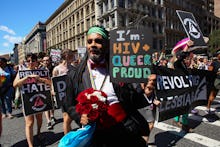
{"x": 59, "y": 86}
{"x": 55, "y": 55}
{"x": 36, "y": 97}
{"x": 191, "y": 28}
{"x": 81, "y": 51}
{"x": 130, "y": 55}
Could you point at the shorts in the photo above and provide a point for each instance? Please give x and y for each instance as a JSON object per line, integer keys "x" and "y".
{"x": 148, "y": 114}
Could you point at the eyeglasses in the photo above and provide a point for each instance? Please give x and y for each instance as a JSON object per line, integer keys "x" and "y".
{"x": 97, "y": 40}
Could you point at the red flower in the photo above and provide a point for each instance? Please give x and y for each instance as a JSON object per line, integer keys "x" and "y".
{"x": 92, "y": 102}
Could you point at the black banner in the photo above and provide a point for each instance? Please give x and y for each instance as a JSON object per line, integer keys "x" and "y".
{"x": 179, "y": 91}
{"x": 36, "y": 97}
{"x": 130, "y": 55}
{"x": 191, "y": 27}
{"x": 59, "y": 86}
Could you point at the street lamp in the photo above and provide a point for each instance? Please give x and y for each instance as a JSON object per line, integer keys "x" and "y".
{"x": 137, "y": 24}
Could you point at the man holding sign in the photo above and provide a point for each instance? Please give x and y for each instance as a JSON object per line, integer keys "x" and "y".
{"x": 127, "y": 125}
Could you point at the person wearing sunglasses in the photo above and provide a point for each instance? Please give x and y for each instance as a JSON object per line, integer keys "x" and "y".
{"x": 47, "y": 65}
{"x": 126, "y": 125}
{"x": 31, "y": 62}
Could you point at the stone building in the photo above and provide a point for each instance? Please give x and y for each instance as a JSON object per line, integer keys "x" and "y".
{"x": 67, "y": 26}
{"x": 217, "y": 8}
{"x": 35, "y": 41}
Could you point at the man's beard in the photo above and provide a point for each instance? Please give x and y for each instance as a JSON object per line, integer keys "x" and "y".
{"x": 98, "y": 56}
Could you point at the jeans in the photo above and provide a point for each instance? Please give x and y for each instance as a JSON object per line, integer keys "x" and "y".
{"x": 7, "y": 102}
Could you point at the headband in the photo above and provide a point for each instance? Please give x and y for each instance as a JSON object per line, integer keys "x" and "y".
{"x": 98, "y": 30}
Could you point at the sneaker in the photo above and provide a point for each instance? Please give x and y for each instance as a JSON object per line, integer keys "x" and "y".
{"x": 194, "y": 111}
{"x": 212, "y": 109}
{"x": 4, "y": 116}
{"x": 49, "y": 126}
{"x": 53, "y": 120}
{"x": 207, "y": 111}
{"x": 10, "y": 116}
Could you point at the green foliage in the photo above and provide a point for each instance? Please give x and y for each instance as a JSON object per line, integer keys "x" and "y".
{"x": 214, "y": 41}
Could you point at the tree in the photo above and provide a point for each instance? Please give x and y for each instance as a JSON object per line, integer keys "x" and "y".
{"x": 214, "y": 41}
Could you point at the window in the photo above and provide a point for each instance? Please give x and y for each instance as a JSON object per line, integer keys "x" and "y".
{"x": 160, "y": 29}
{"x": 78, "y": 29}
{"x": 154, "y": 43}
{"x": 154, "y": 27}
{"x": 106, "y": 6}
{"x": 82, "y": 14}
{"x": 82, "y": 26}
{"x": 112, "y": 4}
{"x": 70, "y": 32}
{"x": 113, "y": 20}
{"x": 121, "y": 20}
{"x": 87, "y": 23}
{"x": 121, "y": 3}
{"x": 93, "y": 7}
{"x": 107, "y": 22}
{"x": 87, "y": 10}
{"x": 93, "y": 20}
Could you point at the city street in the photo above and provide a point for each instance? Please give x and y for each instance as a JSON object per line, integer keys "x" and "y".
{"x": 206, "y": 131}
{"x": 168, "y": 51}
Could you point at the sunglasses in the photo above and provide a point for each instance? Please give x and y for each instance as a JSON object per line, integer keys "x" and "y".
{"x": 31, "y": 61}
{"x": 97, "y": 40}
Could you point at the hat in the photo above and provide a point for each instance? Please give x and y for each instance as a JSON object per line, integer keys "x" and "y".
{"x": 218, "y": 52}
{"x": 99, "y": 30}
{"x": 180, "y": 46}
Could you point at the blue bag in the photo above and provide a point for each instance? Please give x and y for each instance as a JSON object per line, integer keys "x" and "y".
{"x": 79, "y": 138}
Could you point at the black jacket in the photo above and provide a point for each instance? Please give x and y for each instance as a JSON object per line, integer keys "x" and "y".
{"x": 79, "y": 80}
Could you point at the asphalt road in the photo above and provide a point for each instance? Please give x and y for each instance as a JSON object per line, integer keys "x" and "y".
{"x": 206, "y": 131}
{"x": 13, "y": 134}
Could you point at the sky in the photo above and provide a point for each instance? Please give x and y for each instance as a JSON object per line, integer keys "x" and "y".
{"x": 18, "y": 17}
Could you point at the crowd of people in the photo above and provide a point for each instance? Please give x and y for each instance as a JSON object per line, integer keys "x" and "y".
{"x": 131, "y": 111}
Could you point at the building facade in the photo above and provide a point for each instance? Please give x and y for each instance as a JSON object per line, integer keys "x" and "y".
{"x": 35, "y": 41}
{"x": 67, "y": 26}
{"x": 21, "y": 52}
{"x": 217, "y": 8}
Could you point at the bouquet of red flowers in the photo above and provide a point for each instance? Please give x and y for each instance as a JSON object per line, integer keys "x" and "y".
{"x": 92, "y": 102}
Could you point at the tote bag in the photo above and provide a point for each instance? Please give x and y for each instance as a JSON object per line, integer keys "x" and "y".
{"x": 79, "y": 138}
